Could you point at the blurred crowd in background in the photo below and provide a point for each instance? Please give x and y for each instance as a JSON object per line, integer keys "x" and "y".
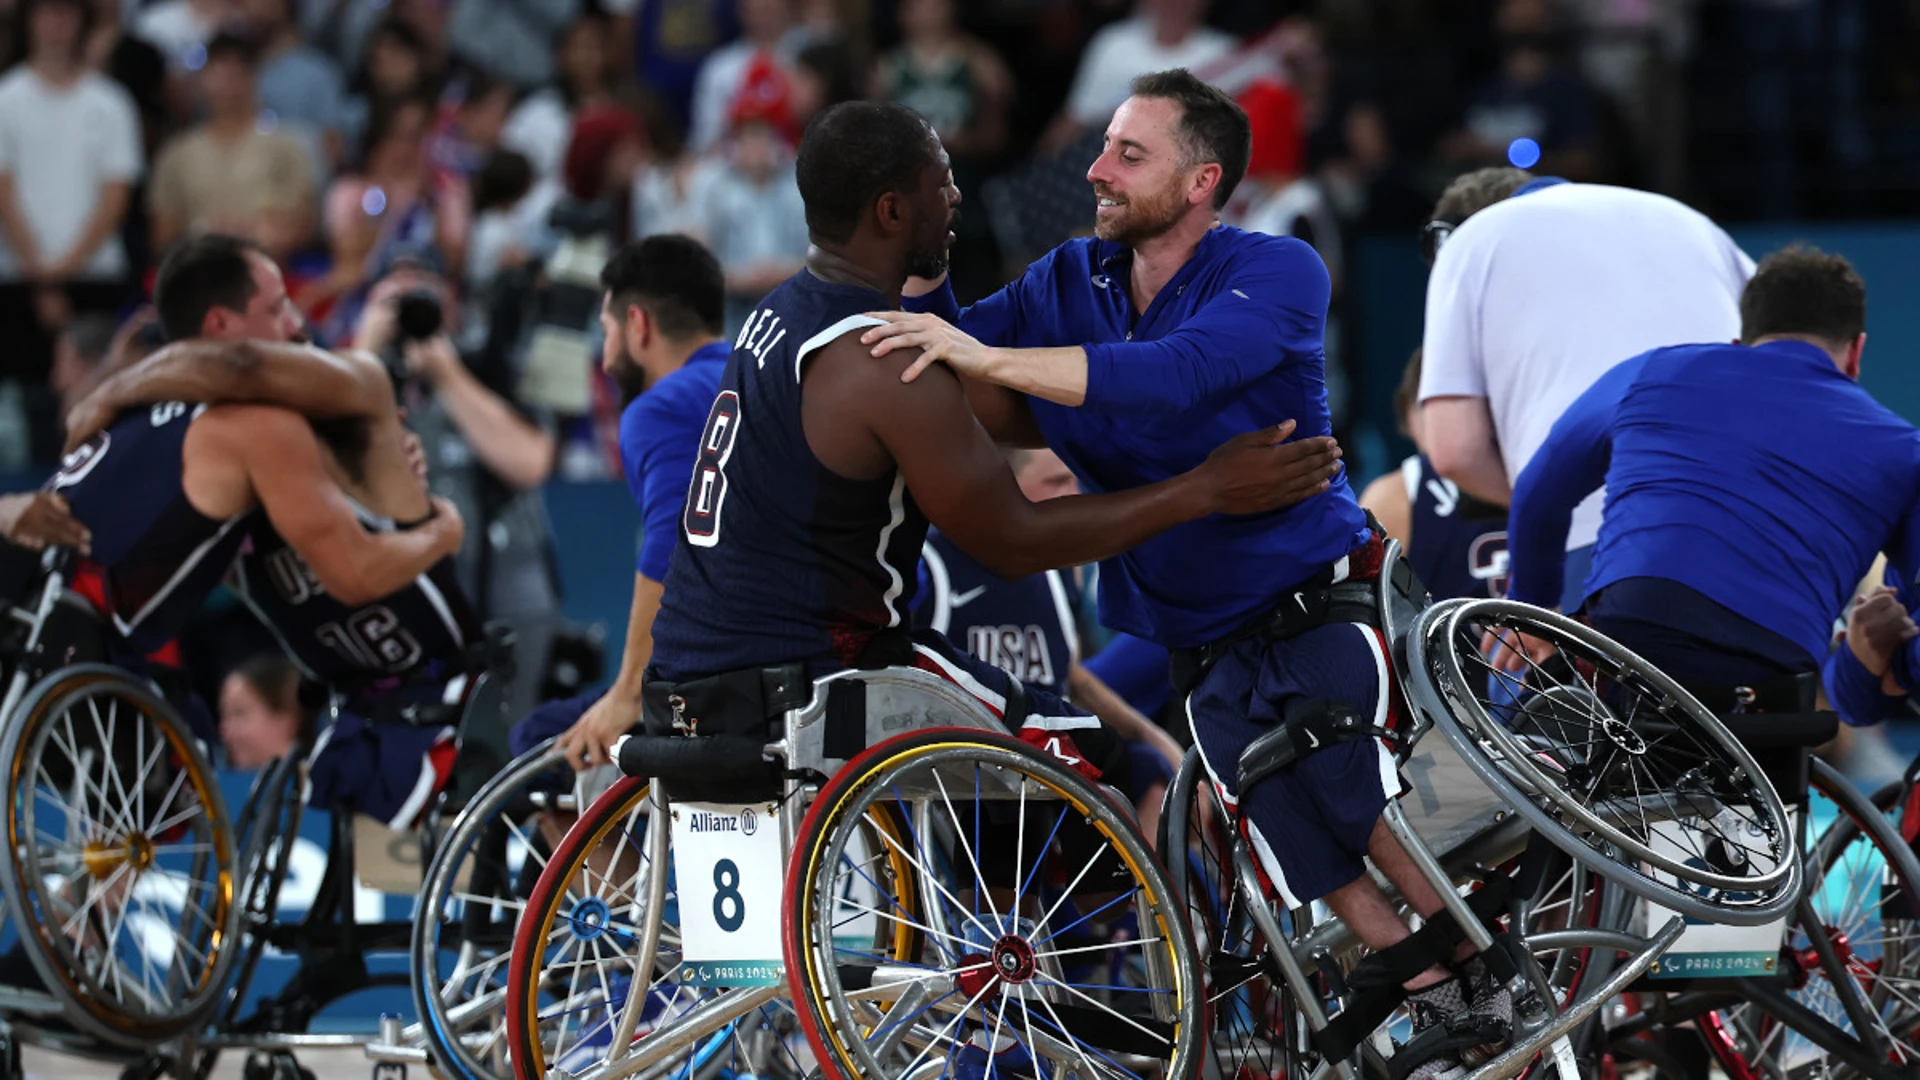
{"x": 480, "y": 158}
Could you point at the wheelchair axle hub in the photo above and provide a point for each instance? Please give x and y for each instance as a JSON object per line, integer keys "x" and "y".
{"x": 589, "y": 918}
{"x": 103, "y": 859}
{"x": 1013, "y": 959}
{"x": 1623, "y": 736}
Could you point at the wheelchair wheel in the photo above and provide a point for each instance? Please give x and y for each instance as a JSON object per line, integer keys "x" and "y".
{"x": 1248, "y": 1008}
{"x": 1610, "y": 760}
{"x": 1044, "y": 936}
{"x": 120, "y": 866}
{"x": 1258, "y": 1029}
{"x": 1863, "y": 894}
{"x": 474, "y": 893}
{"x": 576, "y": 978}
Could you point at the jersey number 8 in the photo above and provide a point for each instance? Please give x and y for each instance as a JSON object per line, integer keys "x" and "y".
{"x": 708, "y": 493}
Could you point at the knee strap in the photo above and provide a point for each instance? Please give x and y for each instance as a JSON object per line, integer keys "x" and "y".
{"x": 1376, "y": 980}
{"x": 1311, "y": 725}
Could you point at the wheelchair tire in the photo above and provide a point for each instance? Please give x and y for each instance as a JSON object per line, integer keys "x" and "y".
{"x": 463, "y": 1013}
{"x": 567, "y": 911}
{"x": 1863, "y": 891}
{"x": 157, "y": 847}
{"x": 1687, "y": 758}
{"x": 1161, "y": 1022}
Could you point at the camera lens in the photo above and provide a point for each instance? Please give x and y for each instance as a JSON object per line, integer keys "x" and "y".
{"x": 418, "y": 315}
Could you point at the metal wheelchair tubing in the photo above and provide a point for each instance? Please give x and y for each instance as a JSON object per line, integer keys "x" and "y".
{"x": 1514, "y": 1060}
{"x": 1450, "y": 625}
{"x": 1423, "y": 695}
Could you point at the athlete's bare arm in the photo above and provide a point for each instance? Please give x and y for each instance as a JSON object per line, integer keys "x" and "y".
{"x": 860, "y": 420}
{"x": 1006, "y": 414}
{"x": 1387, "y": 498}
{"x": 303, "y": 378}
{"x": 240, "y": 456}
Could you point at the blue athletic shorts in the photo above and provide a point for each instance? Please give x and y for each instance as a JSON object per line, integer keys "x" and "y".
{"x": 1308, "y": 825}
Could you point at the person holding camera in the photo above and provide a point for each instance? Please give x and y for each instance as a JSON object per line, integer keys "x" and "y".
{"x": 487, "y": 451}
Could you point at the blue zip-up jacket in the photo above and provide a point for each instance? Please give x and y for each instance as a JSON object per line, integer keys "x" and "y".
{"x": 1230, "y": 344}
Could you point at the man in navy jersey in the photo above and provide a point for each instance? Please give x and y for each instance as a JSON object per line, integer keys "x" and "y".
{"x": 663, "y": 311}
{"x": 1191, "y": 330}
{"x": 1455, "y": 542}
{"x": 1750, "y": 486}
{"x": 338, "y": 495}
{"x": 167, "y": 470}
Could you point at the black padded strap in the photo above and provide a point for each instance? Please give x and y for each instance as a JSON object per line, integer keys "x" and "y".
{"x": 846, "y": 720}
{"x": 1311, "y": 725}
{"x": 1376, "y": 979}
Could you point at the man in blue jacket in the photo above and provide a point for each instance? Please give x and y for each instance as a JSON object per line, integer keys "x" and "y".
{"x": 1750, "y": 486}
{"x": 1193, "y": 331}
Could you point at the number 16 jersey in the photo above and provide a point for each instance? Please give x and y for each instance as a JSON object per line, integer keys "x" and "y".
{"x": 781, "y": 559}
{"x": 351, "y": 648}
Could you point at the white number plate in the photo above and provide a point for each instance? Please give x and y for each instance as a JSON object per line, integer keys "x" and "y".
{"x": 729, "y": 875}
{"x": 1710, "y": 950}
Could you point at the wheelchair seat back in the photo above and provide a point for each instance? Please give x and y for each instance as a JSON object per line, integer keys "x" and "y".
{"x": 845, "y": 713}
{"x": 1401, "y": 597}
{"x": 481, "y": 740}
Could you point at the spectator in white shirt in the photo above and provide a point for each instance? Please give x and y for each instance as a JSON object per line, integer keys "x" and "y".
{"x": 767, "y": 33}
{"x": 1540, "y": 287}
{"x": 542, "y": 124}
{"x": 751, "y": 215}
{"x": 1162, "y": 34}
{"x": 69, "y": 155}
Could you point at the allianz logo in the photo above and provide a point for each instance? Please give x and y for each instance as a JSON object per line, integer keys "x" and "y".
{"x": 746, "y": 822}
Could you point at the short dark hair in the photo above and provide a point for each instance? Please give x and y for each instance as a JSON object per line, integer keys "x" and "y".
{"x": 1804, "y": 291}
{"x": 503, "y": 179}
{"x": 854, "y": 153}
{"x": 1213, "y": 126}
{"x": 227, "y": 45}
{"x": 1407, "y": 394}
{"x": 1471, "y": 192}
{"x": 675, "y": 279}
{"x": 201, "y": 273}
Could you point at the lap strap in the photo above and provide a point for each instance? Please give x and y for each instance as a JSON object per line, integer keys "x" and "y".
{"x": 1376, "y": 980}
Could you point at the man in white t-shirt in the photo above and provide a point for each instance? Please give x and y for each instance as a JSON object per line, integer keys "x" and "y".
{"x": 69, "y": 154}
{"x": 1539, "y": 288}
{"x": 1160, "y": 35}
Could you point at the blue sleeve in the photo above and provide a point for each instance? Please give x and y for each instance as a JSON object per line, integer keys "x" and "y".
{"x": 1568, "y": 467}
{"x": 1270, "y": 310}
{"x": 659, "y": 441}
{"x": 1137, "y": 671}
{"x": 1854, "y": 692}
{"x": 999, "y": 319}
{"x": 940, "y": 301}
